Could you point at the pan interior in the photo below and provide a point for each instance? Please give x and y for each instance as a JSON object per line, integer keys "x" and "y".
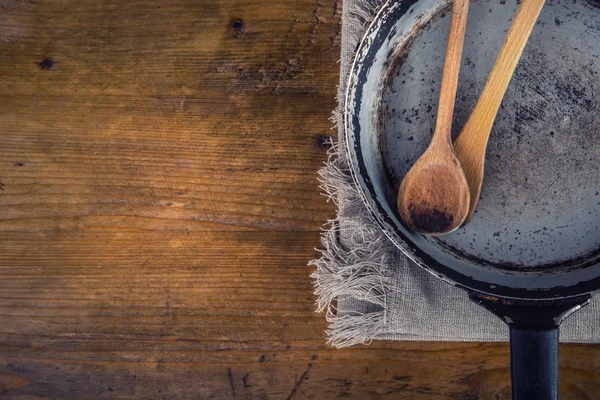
{"x": 540, "y": 202}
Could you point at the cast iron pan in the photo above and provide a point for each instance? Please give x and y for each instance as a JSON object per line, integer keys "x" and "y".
{"x": 531, "y": 254}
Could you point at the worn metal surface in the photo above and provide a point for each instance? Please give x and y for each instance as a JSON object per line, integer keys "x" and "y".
{"x": 539, "y": 212}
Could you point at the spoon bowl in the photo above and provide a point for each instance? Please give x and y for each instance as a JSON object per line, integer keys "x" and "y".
{"x": 434, "y": 195}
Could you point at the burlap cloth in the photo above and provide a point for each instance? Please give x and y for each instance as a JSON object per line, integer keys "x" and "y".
{"x": 368, "y": 288}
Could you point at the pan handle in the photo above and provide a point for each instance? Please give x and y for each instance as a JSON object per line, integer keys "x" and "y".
{"x": 534, "y": 363}
{"x": 534, "y": 346}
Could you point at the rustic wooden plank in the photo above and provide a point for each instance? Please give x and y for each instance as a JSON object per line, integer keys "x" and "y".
{"x": 158, "y": 206}
{"x": 145, "y": 105}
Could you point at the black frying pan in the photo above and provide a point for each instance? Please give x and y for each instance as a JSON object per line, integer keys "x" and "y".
{"x": 531, "y": 254}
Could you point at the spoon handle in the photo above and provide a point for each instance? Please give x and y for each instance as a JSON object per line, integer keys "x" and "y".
{"x": 456, "y": 38}
{"x": 471, "y": 144}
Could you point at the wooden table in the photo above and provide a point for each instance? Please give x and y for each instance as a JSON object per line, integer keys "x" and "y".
{"x": 159, "y": 204}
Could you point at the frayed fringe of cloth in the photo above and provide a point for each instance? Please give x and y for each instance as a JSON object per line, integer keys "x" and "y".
{"x": 358, "y": 268}
{"x": 360, "y": 16}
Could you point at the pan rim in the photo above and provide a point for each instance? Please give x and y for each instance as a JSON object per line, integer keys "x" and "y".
{"x": 396, "y": 234}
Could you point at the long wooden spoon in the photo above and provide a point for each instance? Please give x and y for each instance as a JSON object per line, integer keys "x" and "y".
{"x": 434, "y": 195}
{"x": 471, "y": 145}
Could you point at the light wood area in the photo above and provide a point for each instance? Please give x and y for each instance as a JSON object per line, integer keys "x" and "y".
{"x": 159, "y": 204}
{"x": 471, "y": 144}
{"x": 434, "y": 195}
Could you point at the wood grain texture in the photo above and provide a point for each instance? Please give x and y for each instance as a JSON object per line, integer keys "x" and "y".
{"x": 159, "y": 204}
{"x": 434, "y": 195}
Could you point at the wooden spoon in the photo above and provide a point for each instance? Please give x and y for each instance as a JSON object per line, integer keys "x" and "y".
{"x": 471, "y": 145}
{"x": 434, "y": 195}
